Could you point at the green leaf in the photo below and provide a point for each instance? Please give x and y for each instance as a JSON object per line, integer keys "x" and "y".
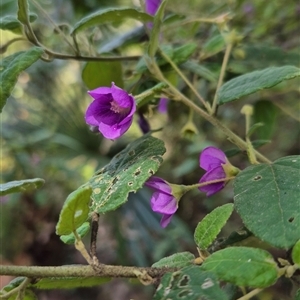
{"x": 75, "y": 211}
{"x": 12, "y": 66}
{"x": 103, "y": 73}
{"x": 177, "y": 260}
{"x": 265, "y": 112}
{"x": 126, "y": 173}
{"x": 211, "y": 225}
{"x": 81, "y": 231}
{"x": 148, "y": 95}
{"x": 213, "y": 46}
{"x": 11, "y": 23}
{"x": 68, "y": 282}
{"x": 297, "y": 296}
{"x": 190, "y": 283}
{"x": 296, "y": 253}
{"x": 23, "y": 11}
{"x": 29, "y": 294}
{"x": 200, "y": 70}
{"x": 267, "y": 197}
{"x": 110, "y": 15}
{"x": 19, "y": 186}
{"x": 243, "y": 266}
{"x": 182, "y": 54}
{"x": 155, "y": 30}
{"x": 255, "y": 81}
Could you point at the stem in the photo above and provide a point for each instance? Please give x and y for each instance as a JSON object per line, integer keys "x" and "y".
{"x": 174, "y": 66}
{"x": 81, "y": 248}
{"x": 94, "y": 232}
{"x": 240, "y": 143}
{"x": 54, "y": 25}
{"x": 250, "y": 295}
{"x": 82, "y": 271}
{"x": 221, "y": 77}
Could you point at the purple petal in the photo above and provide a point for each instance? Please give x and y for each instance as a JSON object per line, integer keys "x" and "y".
{"x": 114, "y": 131}
{"x": 165, "y": 220}
{"x": 93, "y": 113}
{"x": 159, "y": 185}
{"x": 121, "y": 97}
{"x": 163, "y": 105}
{"x": 211, "y": 158}
{"x": 152, "y": 6}
{"x": 163, "y": 203}
{"x": 214, "y": 174}
{"x": 100, "y": 91}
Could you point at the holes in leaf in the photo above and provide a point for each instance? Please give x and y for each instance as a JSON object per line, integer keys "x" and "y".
{"x": 184, "y": 281}
{"x": 185, "y": 293}
{"x": 137, "y": 172}
{"x": 97, "y": 191}
{"x": 291, "y": 219}
{"x": 151, "y": 172}
{"x": 115, "y": 180}
{"x": 130, "y": 183}
{"x": 257, "y": 178}
{"x": 207, "y": 284}
{"x": 131, "y": 153}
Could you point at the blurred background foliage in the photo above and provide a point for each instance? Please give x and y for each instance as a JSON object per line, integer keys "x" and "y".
{"x": 44, "y": 134}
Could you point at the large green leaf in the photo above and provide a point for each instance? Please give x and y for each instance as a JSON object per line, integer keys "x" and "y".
{"x": 126, "y": 173}
{"x": 75, "y": 211}
{"x": 103, "y": 73}
{"x": 110, "y": 15}
{"x": 211, "y": 225}
{"x": 267, "y": 198}
{"x": 177, "y": 260}
{"x": 243, "y": 266}
{"x": 19, "y": 186}
{"x": 12, "y": 66}
{"x": 252, "y": 82}
{"x": 190, "y": 283}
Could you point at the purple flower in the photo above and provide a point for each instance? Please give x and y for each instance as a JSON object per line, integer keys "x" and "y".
{"x": 152, "y": 6}
{"x": 163, "y": 105}
{"x": 212, "y": 160}
{"x": 111, "y": 111}
{"x": 163, "y": 201}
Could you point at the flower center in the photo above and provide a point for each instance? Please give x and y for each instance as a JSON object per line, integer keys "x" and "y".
{"x": 116, "y": 108}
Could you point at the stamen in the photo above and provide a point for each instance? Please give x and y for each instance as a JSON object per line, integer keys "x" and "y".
{"x": 118, "y": 109}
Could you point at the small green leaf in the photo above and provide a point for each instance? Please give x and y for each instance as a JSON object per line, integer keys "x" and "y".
{"x": 265, "y": 112}
{"x": 148, "y": 95}
{"x": 200, "y": 70}
{"x": 29, "y": 294}
{"x": 182, "y": 54}
{"x": 103, "y": 73}
{"x": 75, "y": 211}
{"x": 296, "y": 253}
{"x": 177, "y": 260}
{"x": 243, "y": 266}
{"x": 68, "y": 282}
{"x": 126, "y": 173}
{"x": 155, "y": 30}
{"x": 11, "y": 23}
{"x": 81, "y": 231}
{"x": 20, "y": 186}
{"x": 23, "y": 11}
{"x": 12, "y": 66}
{"x": 266, "y": 197}
{"x": 213, "y": 46}
{"x": 190, "y": 283}
{"x": 255, "y": 81}
{"x": 211, "y": 225}
{"x": 110, "y": 15}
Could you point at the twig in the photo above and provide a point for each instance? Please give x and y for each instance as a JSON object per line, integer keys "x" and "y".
{"x": 94, "y": 232}
{"x": 250, "y": 295}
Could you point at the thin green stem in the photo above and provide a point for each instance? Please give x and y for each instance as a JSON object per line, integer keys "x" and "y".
{"x": 190, "y": 85}
{"x": 54, "y": 25}
{"x": 235, "y": 139}
{"x": 222, "y": 75}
